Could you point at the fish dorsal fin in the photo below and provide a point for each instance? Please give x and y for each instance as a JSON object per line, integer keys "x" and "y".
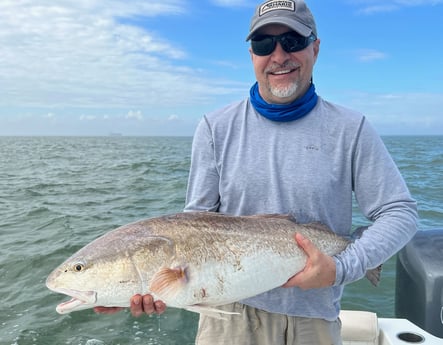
{"x": 275, "y": 216}
{"x": 320, "y": 227}
{"x": 167, "y": 282}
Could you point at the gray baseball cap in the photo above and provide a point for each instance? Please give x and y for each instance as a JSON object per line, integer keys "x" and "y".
{"x": 292, "y": 13}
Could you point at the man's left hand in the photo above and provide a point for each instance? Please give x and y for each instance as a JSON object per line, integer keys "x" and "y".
{"x": 319, "y": 271}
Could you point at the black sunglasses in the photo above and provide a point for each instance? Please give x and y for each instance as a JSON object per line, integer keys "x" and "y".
{"x": 291, "y": 42}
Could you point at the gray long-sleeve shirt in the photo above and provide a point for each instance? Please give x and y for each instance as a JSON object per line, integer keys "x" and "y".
{"x": 243, "y": 163}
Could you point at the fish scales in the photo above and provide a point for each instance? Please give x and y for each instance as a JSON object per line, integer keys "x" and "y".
{"x": 222, "y": 235}
{"x": 189, "y": 260}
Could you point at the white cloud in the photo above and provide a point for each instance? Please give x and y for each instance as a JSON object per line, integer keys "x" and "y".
{"x": 136, "y": 115}
{"x": 399, "y": 113}
{"x": 88, "y": 118}
{"x": 82, "y": 54}
{"x": 378, "y": 9}
{"x": 368, "y": 55}
{"x": 173, "y": 117}
{"x": 233, "y": 3}
{"x": 376, "y": 6}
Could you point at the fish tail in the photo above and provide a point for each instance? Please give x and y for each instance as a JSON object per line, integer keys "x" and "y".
{"x": 374, "y": 275}
{"x": 358, "y": 233}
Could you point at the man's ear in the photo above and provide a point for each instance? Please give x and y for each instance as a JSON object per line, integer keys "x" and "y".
{"x": 251, "y": 53}
{"x": 316, "y": 47}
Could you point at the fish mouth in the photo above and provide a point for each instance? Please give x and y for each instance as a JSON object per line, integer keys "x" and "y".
{"x": 79, "y": 300}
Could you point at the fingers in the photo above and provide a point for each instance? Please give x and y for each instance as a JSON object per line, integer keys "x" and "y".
{"x": 160, "y": 307}
{"x": 136, "y": 305}
{"x": 139, "y": 305}
{"x": 319, "y": 270}
{"x": 145, "y": 305}
{"x": 300, "y": 278}
{"x": 305, "y": 244}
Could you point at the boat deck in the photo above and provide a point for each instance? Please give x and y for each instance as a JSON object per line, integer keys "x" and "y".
{"x": 365, "y": 328}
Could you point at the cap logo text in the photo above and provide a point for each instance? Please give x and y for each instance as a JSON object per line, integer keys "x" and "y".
{"x": 276, "y": 5}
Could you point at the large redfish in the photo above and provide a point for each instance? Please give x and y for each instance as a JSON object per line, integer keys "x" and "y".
{"x": 195, "y": 260}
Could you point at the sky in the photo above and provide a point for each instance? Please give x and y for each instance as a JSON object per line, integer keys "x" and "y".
{"x": 155, "y": 67}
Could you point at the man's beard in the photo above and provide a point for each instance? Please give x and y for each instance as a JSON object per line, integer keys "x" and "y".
{"x": 284, "y": 92}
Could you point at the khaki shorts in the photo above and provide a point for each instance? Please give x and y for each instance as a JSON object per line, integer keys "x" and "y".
{"x": 258, "y": 327}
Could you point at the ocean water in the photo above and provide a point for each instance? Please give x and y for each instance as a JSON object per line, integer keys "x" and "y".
{"x": 59, "y": 193}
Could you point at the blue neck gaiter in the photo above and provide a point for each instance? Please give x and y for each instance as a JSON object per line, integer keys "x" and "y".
{"x": 284, "y": 112}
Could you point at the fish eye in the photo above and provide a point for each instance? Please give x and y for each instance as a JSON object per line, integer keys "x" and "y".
{"x": 78, "y": 267}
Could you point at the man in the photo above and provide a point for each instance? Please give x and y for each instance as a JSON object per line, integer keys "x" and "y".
{"x": 286, "y": 150}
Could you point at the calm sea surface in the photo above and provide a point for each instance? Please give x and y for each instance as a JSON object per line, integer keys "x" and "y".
{"x": 59, "y": 193}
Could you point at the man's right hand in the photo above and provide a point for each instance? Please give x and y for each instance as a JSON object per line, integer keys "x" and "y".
{"x": 139, "y": 305}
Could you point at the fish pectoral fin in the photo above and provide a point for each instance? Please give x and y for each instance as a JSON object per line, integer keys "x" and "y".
{"x": 211, "y": 311}
{"x": 168, "y": 281}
